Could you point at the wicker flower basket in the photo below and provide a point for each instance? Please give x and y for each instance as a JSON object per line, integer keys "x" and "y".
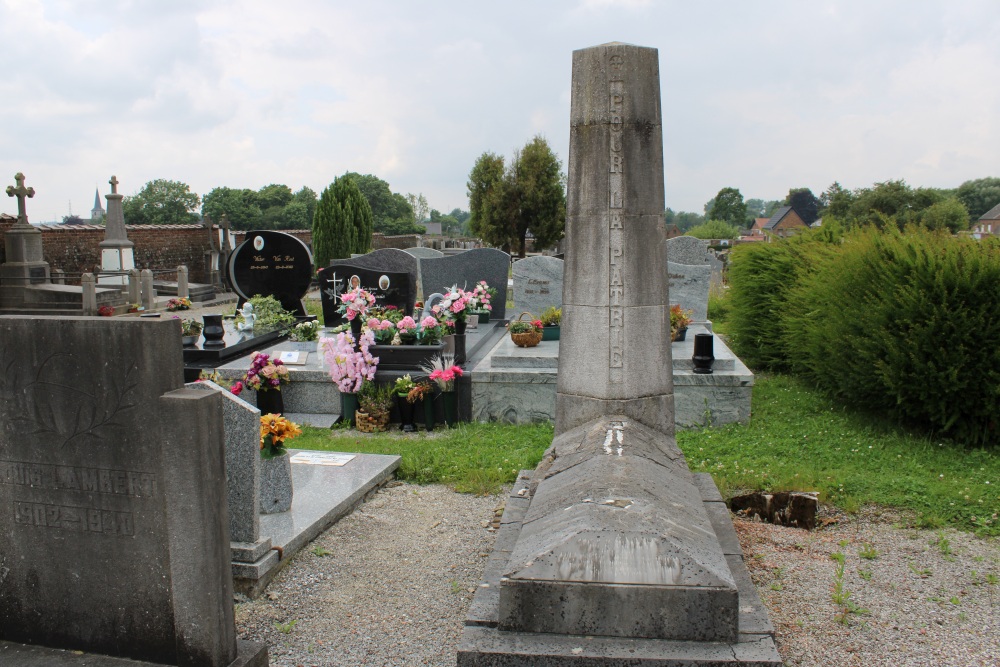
{"x": 367, "y": 423}
{"x": 529, "y": 339}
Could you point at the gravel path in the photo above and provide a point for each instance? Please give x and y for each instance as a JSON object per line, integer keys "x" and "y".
{"x": 396, "y": 577}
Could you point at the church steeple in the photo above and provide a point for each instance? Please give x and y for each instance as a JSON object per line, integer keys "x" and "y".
{"x": 97, "y": 212}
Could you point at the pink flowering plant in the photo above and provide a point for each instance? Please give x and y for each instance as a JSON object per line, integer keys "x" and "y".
{"x": 430, "y": 331}
{"x": 407, "y": 330}
{"x": 383, "y": 330}
{"x": 480, "y": 297}
{"x": 349, "y": 368}
{"x": 455, "y": 304}
{"x": 265, "y": 373}
{"x": 443, "y": 371}
{"x": 355, "y": 302}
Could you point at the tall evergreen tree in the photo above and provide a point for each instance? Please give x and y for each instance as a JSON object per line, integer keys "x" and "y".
{"x": 334, "y": 233}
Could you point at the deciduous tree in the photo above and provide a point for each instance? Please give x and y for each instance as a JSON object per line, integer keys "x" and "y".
{"x": 728, "y": 206}
{"x": 240, "y": 206}
{"x": 979, "y": 196}
{"x": 162, "y": 202}
{"x": 805, "y": 203}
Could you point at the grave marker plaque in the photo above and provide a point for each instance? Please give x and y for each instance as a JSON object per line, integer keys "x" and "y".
{"x": 538, "y": 284}
{"x": 388, "y": 287}
{"x": 271, "y": 263}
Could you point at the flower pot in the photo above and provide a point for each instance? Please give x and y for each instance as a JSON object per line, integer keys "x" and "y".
{"x": 680, "y": 334}
{"x": 275, "y": 484}
{"x": 188, "y": 341}
{"x": 450, "y": 399}
{"x": 348, "y": 406}
{"x": 213, "y": 330}
{"x": 405, "y": 414}
{"x": 550, "y": 332}
{"x": 370, "y": 423}
{"x": 270, "y": 402}
{"x": 408, "y": 338}
{"x": 428, "y": 412}
{"x": 484, "y": 316}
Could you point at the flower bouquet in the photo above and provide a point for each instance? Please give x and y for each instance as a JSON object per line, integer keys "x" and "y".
{"x": 383, "y": 330}
{"x": 305, "y": 332}
{"x": 679, "y": 321}
{"x": 479, "y": 301}
{"x": 443, "y": 371}
{"x": 179, "y": 303}
{"x": 454, "y": 304}
{"x": 349, "y": 368}
{"x": 274, "y": 431}
{"x": 407, "y": 331}
{"x": 191, "y": 327}
{"x": 431, "y": 331}
{"x": 265, "y": 373}
{"x": 355, "y": 302}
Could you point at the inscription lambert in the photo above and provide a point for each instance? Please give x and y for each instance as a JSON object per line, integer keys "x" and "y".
{"x": 74, "y": 478}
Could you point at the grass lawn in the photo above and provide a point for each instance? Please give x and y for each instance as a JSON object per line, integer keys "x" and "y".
{"x": 797, "y": 440}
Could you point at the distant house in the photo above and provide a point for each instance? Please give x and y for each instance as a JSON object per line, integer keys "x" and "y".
{"x": 756, "y": 231}
{"x": 673, "y": 231}
{"x": 784, "y": 223}
{"x": 988, "y": 224}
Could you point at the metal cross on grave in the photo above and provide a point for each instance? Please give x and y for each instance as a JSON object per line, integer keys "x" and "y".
{"x": 20, "y": 192}
{"x": 114, "y": 184}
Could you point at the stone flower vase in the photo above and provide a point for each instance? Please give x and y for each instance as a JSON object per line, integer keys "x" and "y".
{"x": 275, "y": 484}
{"x": 348, "y": 406}
{"x": 270, "y": 402}
{"x": 450, "y": 400}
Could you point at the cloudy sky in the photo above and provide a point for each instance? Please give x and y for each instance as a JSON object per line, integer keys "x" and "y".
{"x": 762, "y": 96}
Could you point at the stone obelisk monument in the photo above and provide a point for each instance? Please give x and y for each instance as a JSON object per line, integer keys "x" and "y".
{"x": 614, "y": 352}
{"x": 608, "y": 554}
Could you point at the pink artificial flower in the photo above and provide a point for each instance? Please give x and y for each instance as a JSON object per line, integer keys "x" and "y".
{"x": 373, "y": 324}
{"x": 458, "y": 306}
{"x": 406, "y": 324}
{"x": 386, "y": 324}
{"x": 428, "y": 322}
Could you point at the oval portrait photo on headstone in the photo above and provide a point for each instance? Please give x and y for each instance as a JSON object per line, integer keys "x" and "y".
{"x": 383, "y": 282}
{"x": 355, "y": 282}
{"x": 258, "y": 243}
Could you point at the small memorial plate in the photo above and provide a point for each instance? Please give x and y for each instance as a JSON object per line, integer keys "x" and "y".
{"x": 293, "y": 357}
{"x": 322, "y": 458}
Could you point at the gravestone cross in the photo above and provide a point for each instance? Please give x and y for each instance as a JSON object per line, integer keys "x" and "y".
{"x": 114, "y": 184}
{"x": 20, "y": 192}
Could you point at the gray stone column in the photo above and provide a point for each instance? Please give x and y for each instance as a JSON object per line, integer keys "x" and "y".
{"x": 614, "y": 355}
{"x": 182, "y": 281}
{"x": 88, "y": 283}
{"x": 134, "y": 289}
{"x": 148, "y": 294}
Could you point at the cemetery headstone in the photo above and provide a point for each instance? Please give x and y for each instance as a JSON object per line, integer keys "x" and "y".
{"x": 389, "y": 288}
{"x": 467, "y": 268}
{"x": 271, "y": 264}
{"x": 422, "y": 253}
{"x": 687, "y": 250}
{"x": 538, "y": 284}
{"x": 386, "y": 260}
{"x": 117, "y": 252}
{"x": 25, "y": 264}
{"x": 689, "y": 285}
{"x": 112, "y": 497}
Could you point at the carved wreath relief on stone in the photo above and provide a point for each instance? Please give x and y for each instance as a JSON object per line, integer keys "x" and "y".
{"x": 616, "y": 205}
{"x": 67, "y": 412}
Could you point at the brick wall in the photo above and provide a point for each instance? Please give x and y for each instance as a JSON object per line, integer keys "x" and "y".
{"x": 76, "y": 248}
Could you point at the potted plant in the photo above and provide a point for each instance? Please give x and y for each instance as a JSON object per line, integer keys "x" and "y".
{"x": 422, "y": 398}
{"x": 265, "y": 376}
{"x": 407, "y": 329}
{"x": 383, "y": 330}
{"x": 551, "y": 319}
{"x": 350, "y": 367}
{"x": 374, "y": 405}
{"x": 275, "y": 468}
{"x": 525, "y": 333}
{"x": 679, "y": 321}
{"x": 305, "y": 332}
{"x": 190, "y": 330}
{"x": 402, "y": 389}
{"x": 443, "y": 371}
{"x": 479, "y": 302}
{"x": 430, "y": 331}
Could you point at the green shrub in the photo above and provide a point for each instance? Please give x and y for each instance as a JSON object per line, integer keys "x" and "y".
{"x": 904, "y": 323}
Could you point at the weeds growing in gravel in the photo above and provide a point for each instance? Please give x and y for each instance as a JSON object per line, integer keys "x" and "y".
{"x": 286, "y": 628}
{"x": 841, "y": 596}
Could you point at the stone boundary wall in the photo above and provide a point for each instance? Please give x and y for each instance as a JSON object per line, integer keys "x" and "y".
{"x": 76, "y": 248}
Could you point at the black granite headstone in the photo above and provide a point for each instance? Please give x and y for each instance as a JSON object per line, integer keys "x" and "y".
{"x": 271, "y": 264}
{"x": 389, "y": 288}
{"x": 465, "y": 270}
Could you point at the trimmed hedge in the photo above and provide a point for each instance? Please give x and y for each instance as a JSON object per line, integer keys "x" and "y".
{"x": 907, "y": 324}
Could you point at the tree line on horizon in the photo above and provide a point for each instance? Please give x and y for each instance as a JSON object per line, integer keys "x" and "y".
{"x": 889, "y": 203}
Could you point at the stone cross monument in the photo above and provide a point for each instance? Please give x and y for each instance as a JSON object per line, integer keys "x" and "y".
{"x": 25, "y": 263}
{"x": 117, "y": 253}
{"x": 614, "y": 350}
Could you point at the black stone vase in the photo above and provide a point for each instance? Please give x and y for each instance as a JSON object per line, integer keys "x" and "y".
{"x": 213, "y": 331}
{"x": 704, "y": 353}
{"x": 405, "y": 414}
{"x": 450, "y": 399}
{"x": 356, "y": 331}
{"x": 428, "y": 412}
{"x": 270, "y": 402}
{"x": 460, "y": 327}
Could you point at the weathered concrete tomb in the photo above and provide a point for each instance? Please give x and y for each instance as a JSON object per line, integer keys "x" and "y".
{"x": 611, "y": 552}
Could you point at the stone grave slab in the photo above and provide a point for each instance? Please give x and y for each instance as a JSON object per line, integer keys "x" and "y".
{"x": 271, "y": 263}
{"x": 105, "y": 477}
{"x": 467, "y": 268}
{"x": 386, "y": 260}
{"x": 688, "y": 250}
{"x": 689, "y": 285}
{"x": 538, "y": 283}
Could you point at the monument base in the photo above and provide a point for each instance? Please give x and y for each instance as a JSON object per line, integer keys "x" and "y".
{"x": 483, "y": 644}
{"x": 248, "y": 654}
